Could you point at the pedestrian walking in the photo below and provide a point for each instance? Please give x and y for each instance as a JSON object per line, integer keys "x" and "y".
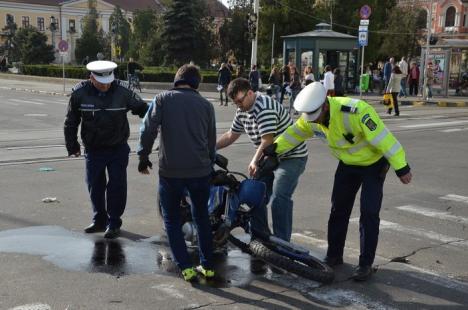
{"x": 329, "y": 81}
{"x": 274, "y": 81}
{"x": 387, "y": 71}
{"x": 338, "y": 82}
{"x": 286, "y": 77}
{"x": 413, "y": 79}
{"x": 394, "y": 87}
{"x": 224, "y": 77}
{"x": 429, "y": 80}
{"x": 263, "y": 119}
{"x": 308, "y": 76}
{"x": 294, "y": 85}
{"x": 365, "y": 149}
{"x": 101, "y": 104}
{"x": 254, "y": 78}
{"x": 404, "y": 70}
{"x": 187, "y": 124}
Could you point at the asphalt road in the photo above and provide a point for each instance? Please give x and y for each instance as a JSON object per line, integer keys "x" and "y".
{"x": 46, "y": 262}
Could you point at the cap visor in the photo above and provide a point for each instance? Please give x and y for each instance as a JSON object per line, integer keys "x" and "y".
{"x": 311, "y": 117}
{"x": 104, "y": 79}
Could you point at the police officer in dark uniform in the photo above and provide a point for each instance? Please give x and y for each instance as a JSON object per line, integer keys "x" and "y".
{"x": 101, "y": 104}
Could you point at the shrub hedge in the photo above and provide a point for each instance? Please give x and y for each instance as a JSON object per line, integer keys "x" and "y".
{"x": 149, "y": 74}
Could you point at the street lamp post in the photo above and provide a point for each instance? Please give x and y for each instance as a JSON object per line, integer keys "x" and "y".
{"x": 426, "y": 56}
{"x": 254, "y": 20}
{"x": 53, "y": 28}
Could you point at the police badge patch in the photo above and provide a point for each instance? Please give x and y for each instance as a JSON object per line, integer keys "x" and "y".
{"x": 371, "y": 124}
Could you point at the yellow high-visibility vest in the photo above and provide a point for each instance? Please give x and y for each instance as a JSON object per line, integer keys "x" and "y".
{"x": 356, "y": 135}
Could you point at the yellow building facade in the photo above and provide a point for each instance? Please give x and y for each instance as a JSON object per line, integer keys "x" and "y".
{"x": 58, "y": 20}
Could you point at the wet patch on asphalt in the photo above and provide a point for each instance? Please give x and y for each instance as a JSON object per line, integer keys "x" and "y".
{"x": 76, "y": 251}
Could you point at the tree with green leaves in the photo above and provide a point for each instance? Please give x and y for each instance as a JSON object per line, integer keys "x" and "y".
{"x": 404, "y": 27}
{"x": 234, "y": 33}
{"x": 92, "y": 39}
{"x": 184, "y": 35}
{"x": 31, "y": 47}
{"x": 8, "y": 34}
{"x": 120, "y": 31}
{"x": 145, "y": 39}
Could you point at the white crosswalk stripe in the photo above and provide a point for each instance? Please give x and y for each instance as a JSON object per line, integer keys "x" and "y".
{"x": 433, "y": 213}
{"x": 456, "y": 198}
{"x": 27, "y": 101}
{"x": 418, "y": 232}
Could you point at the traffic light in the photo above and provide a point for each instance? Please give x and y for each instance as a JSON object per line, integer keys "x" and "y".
{"x": 433, "y": 40}
{"x": 252, "y": 25}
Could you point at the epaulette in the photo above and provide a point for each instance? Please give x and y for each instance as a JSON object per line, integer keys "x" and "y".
{"x": 123, "y": 83}
{"x": 79, "y": 85}
{"x": 348, "y": 109}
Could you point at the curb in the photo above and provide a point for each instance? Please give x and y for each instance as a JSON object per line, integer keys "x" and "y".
{"x": 420, "y": 103}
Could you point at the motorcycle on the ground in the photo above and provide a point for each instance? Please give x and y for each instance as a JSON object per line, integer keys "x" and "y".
{"x": 233, "y": 197}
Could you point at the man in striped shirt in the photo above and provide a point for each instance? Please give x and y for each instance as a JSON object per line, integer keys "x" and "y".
{"x": 263, "y": 119}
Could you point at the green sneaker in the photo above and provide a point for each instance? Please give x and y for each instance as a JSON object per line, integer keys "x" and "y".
{"x": 189, "y": 274}
{"x": 207, "y": 273}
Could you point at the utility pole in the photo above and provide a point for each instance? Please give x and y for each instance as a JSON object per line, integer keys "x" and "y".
{"x": 253, "y": 60}
{"x": 273, "y": 46}
{"x": 426, "y": 56}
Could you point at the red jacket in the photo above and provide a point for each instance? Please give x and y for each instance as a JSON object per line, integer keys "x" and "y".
{"x": 411, "y": 73}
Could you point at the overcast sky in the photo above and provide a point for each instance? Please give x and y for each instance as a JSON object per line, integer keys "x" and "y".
{"x": 225, "y": 2}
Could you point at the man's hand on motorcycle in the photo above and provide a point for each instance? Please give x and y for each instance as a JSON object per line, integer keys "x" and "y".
{"x": 143, "y": 166}
{"x": 253, "y": 168}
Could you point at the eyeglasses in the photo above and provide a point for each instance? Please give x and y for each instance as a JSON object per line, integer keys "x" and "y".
{"x": 241, "y": 100}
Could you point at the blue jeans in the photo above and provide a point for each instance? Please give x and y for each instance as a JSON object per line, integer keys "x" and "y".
{"x": 429, "y": 91}
{"x": 107, "y": 197}
{"x": 280, "y": 188}
{"x": 171, "y": 191}
{"x": 403, "y": 87}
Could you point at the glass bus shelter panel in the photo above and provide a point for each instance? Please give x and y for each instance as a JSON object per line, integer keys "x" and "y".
{"x": 307, "y": 58}
{"x": 291, "y": 56}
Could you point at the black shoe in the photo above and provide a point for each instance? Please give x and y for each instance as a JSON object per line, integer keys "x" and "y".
{"x": 94, "y": 228}
{"x": 362, "y": 273}
{"x": 112, "y": 233}
{"x": 333, "y": 261}
{"x": 258, "y": 266}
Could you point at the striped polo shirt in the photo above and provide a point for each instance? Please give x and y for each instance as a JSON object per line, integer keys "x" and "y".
{"x": 266, "y": 116}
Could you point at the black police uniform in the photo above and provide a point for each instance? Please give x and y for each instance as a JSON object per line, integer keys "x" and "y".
{"x": 104, "y": 132}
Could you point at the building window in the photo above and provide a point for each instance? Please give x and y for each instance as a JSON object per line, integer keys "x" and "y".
{"x": 25, "y": 21}
{"x": 10, "y": 19}
{"x": 71, "y": 26}
{"x": 450, "y": 17}
{"x": 40, "y": 24}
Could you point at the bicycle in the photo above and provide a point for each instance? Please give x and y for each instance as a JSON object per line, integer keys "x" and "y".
{"x": 230, "y": 206}
{"x": 134, "y": 81}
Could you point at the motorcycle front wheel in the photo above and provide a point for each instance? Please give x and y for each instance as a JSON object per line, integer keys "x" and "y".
{"x": 308, "y": 267}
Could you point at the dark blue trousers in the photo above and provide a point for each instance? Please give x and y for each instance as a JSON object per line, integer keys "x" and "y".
{"x": 108, "y": 197}
{"x": 171, "y": 191}
{"x": 348, "y": 180}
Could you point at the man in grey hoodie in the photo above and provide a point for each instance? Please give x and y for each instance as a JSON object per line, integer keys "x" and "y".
{"x": 187, "y": 124}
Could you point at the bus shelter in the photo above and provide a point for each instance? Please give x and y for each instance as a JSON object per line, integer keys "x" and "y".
{"x": 449, "y": 58}
{"x": 322, "y": 47}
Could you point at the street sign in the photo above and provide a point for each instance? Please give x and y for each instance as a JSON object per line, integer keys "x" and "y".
{"x": 364, "y": 22}
{"x": 63, "y": 53}
{"x": 365, "y": 12}
{"x": 363, "y": 38}
{"x": 363, "y": 28}
{"x": 63, "y": 46}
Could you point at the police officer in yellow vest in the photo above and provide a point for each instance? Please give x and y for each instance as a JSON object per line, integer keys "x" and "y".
{"x": 365, "y": 148}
